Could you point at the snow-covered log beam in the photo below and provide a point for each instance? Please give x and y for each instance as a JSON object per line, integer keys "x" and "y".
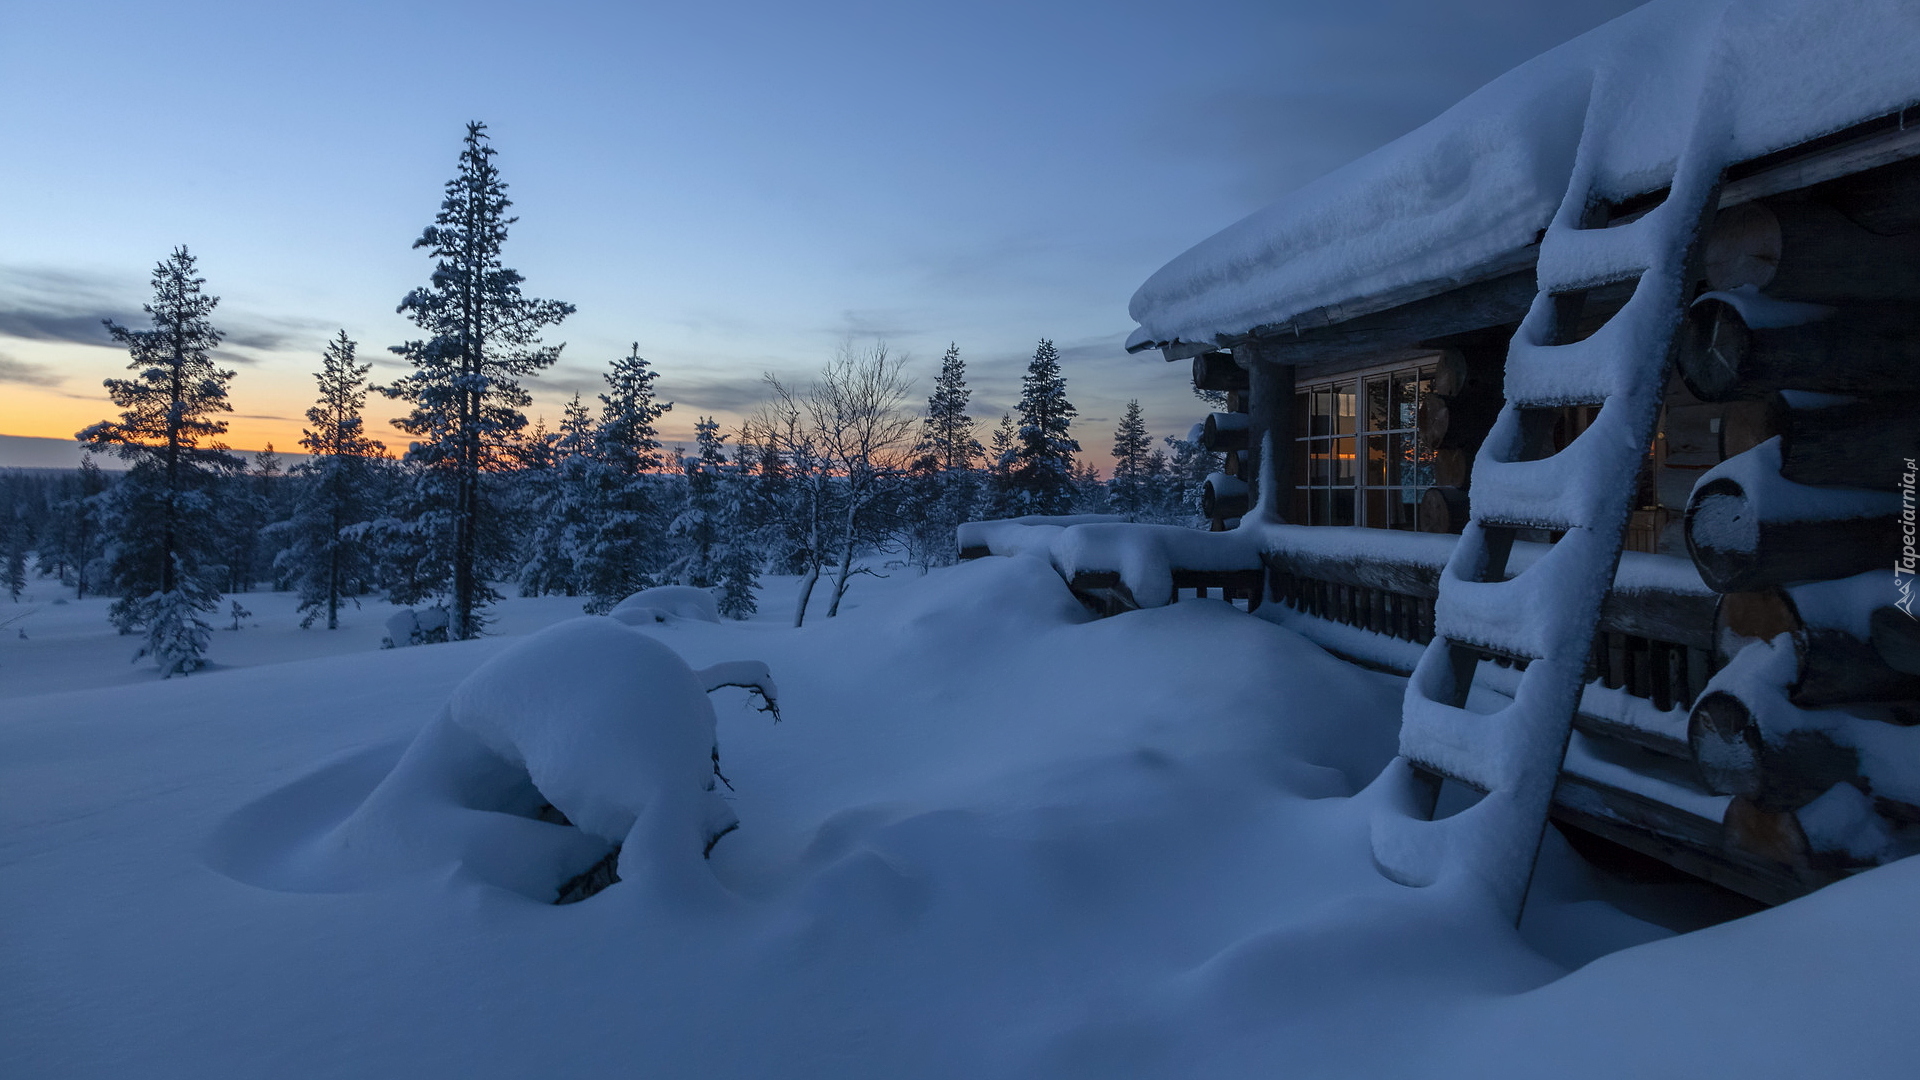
{"x": 1726, "y": 353}
{"x": 1896, "y": 639}
{"x": 1223, "y": 497}
{"x": 1714, "y": 851}
{"x": 1221, "y": 432}
{"x": 1808, "y": 250}
{"x": 1749, "y": 740}
{"x": 1747, "y": 527}
{"x": 1832, "y": 664}
{"x": 1830, "y": 440}
{"x": 1778, "y": 770}
{"x": 1217, "y": 371}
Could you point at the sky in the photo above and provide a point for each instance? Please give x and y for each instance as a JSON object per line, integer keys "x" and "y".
{"x": 740, "y": 188}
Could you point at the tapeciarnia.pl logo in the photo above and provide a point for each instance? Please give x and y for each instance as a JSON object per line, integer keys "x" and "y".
{"x": 1904, "y": 567}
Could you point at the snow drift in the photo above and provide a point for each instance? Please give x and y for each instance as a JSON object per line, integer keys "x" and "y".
{"x": 995, "y": 838}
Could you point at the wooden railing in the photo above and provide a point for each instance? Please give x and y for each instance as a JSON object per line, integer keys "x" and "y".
{"x": 1368, "y": 596}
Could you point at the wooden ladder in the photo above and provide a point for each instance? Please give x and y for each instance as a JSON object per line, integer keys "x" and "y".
{"x": 1544, "y": 618}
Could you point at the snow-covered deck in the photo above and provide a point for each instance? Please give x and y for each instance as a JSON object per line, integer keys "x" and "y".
{"x": 1366, "y": 595}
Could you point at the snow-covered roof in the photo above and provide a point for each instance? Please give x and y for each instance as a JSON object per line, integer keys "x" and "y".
{"x": 1462, "y": 198}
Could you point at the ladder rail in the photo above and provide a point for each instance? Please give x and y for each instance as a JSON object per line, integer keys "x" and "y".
{"x": 1549, "y": 612}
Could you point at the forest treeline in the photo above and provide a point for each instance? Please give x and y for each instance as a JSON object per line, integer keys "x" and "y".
{"x": 846, "y": 466}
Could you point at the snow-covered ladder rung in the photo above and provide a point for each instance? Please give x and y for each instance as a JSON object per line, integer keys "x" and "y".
{"x": 1546, "y": 614}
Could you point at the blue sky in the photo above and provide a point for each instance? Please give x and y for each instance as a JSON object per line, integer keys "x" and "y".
{"x": 737, "y": 187}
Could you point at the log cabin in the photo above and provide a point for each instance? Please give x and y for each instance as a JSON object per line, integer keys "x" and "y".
{"x": 1593, "y": 407}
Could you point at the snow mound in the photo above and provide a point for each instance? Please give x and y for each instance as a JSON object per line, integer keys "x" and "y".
{"x": 662, "y": 602}
{"x": 584, "y": 737}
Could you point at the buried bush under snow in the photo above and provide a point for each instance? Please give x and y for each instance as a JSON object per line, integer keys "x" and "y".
{"x": 585, "y": 737}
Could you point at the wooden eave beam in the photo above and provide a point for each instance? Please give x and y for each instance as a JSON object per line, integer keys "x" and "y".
{"x": 1498, "y": 292}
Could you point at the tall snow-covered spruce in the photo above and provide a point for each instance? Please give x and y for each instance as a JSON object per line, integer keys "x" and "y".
{"x": 626, "y": 529}
{"x": 164, "y": 534}
{"x": 328, "y": 563}
{"x": 1042, "y": 473}
{"x": 945, "y": 484}
{"x": 557, "y": 478}
{"x": 701, "y": 519}
{"x": 1131, "y": 486}
{"x": 483, "y": 336}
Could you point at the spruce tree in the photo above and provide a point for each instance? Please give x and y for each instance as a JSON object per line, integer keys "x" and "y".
{"x": 18, "y": 537}
{"x": 483, "y": 336}
{"x": 944, "y": 482}
{"x": 560, "y": 475}
{"x": 1002, "y": 500}
{"x": 1042, "y": 467}
{"x": 1186, "y": 480}
{"x": 625, "y": 539}
{"x": 747, "y": 518}
{"x": 164, "y": 534}
{"x": 700, "y": 522}
{"x": 328, "y": 563}
{"x": 1130, "y": 488}
{"x": 946, "y": 435}
{"x": 79, "y": 525}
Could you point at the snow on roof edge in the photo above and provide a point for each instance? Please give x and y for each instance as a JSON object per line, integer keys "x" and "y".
{"x": 1474, "y": 186}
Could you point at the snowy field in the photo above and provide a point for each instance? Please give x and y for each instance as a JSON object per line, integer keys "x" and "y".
{"x": 991, "y": 837}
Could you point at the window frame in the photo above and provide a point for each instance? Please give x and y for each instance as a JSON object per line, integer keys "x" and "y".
{"x": 1312, "y": 508}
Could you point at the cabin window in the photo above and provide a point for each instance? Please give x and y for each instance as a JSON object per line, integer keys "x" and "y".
{"x": 1360, "y": 460}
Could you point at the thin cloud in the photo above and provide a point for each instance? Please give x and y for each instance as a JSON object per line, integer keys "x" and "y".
{"x": 715, "y": 393}
{"x": 70, "y": 306}
{"x": 19, "y": 371}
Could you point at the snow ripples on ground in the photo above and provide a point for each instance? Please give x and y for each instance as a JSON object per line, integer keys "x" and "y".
{"x": 992, "y": 837}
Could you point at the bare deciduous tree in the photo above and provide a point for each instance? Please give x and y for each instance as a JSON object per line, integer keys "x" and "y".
{"x": 846, "y": 439}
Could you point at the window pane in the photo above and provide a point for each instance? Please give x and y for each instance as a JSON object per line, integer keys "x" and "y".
{"x": 1342, "y": 511}
{"x": 1322, "y": 423}
{"x": 1405, "y": 400}
{"x": 1322, "y": 506}
{"x": 1378, "y": 514}
{"x": 1379, "y": 416}
{"x": 1406, "y": 507}
{"x": 1343, "y": 460}
{"x": 1417, "y": 467}
{"x": 1319, "y": 467}
{"x": 1343, "y": 409}
{"x": 1377, "y": 460}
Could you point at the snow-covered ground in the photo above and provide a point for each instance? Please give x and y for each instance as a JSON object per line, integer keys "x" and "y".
{"x": 991, "y": 837}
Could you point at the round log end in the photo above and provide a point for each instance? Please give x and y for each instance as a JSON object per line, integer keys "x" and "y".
{"x": 1723, "y": 536}
{"x": 1740, "y": 618}
{"x": 1222, "y": 432}
{"x": 1223, "y": 497}
{"x": 1218, "y": 371}
{"x": 1715, "y": 344}
{"x": 1726, "y": 745}
{"x": 1735, "y": 757}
